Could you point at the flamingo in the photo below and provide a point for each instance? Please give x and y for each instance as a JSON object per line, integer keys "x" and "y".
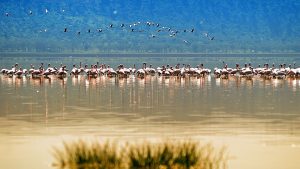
{"x": 293, "y": 72}
{"x": 224, "y": 72}
{"x": 133, "y": 70}
{"x": 279, "y": 73}
{"x": 4, "y": 71}
{"x": 204, "y": 71}
{"x": 217, "y": 72}
{"x": 127, "y": 71}
{"x": 19, "y": 73}
{"x": 25, "y": 72}
{"x": 182, "y": 71}
{"x": 235, "y": 70}
{"x": 190, "y": 70}
{"x": 50, "y": 70}
{"x": 75, "y": 71}
{"x": 246, "y": 70}
{"x": 121, "y": 71}
{"x": 36, "y": 73}
{"x": 176, "y": 70}
{"x": 140, "y": 73}
{"x": 31, "y": 69}
{"x": 103, "y": 70}
{"x": 47, "y": 72}
{"x": 87, "y": 70}
{"x": 170, "y": 70}
{"x": 11, "y": 72}
{"x": 266, "y": 72}
{"x": 62, "y": 72}
{"x": 93, "y": 72}
{"x": 159, "y": 70}
{"x": 111, "y": 72}
{"x": 258, "y": 70}
{"x": 149, "y": 70}
{"x": 164, "y": 71}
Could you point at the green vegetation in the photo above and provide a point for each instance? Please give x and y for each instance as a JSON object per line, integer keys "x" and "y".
{"x": 161, "y": 155}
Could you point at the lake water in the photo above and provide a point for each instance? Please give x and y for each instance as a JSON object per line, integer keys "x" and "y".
{"x": 258, "y": 120}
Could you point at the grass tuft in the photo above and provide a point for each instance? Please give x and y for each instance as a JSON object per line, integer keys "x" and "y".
{"x": 162, "y": 155}
{"x": 81, "y": 155}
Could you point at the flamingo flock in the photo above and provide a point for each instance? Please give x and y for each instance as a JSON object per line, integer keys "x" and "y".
{"x": 151, "y": 29}
{"x": 179, "y": 70}
{"x": 266, "y": 71}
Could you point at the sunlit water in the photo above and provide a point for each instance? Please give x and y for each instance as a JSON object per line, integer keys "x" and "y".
{"x": 259, "y": 120}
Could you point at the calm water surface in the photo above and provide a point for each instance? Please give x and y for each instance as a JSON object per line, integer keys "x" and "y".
{"x": 259, "y": 120}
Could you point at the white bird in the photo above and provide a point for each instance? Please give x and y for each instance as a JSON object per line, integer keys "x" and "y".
{"x": 62, "y": 72}
{"x": 36, "y": 73}
{"x": 19, "y": 73}
{"x": 217, "y": 72}
{"x": 111, "y": 72}
{"x": 75, "y": 71}
{"x": 47, "y": 72}
{"x": 140, "y": 73}
{"x": 4, "y": 71}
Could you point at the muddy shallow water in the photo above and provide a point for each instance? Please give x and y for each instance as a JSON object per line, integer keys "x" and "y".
{"x": 258, "y": 120}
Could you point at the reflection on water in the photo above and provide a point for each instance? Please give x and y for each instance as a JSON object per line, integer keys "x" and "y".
{"x": 153, "y": 105}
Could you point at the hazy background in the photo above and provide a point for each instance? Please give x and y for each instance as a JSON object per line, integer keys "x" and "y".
{"x": 239, "y": 26}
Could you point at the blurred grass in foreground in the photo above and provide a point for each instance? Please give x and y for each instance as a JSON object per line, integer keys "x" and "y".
{"x": 158, "y": 155}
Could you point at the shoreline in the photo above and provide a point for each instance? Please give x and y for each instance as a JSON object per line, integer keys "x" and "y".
{"x": 29, "y": 54}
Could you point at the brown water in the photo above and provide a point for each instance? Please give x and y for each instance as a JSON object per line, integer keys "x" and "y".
{"x": 258, "y": 120}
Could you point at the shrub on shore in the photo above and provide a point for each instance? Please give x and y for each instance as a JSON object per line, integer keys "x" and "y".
{"x": 81, "y": 155}
{"x": 162, "y": 155}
